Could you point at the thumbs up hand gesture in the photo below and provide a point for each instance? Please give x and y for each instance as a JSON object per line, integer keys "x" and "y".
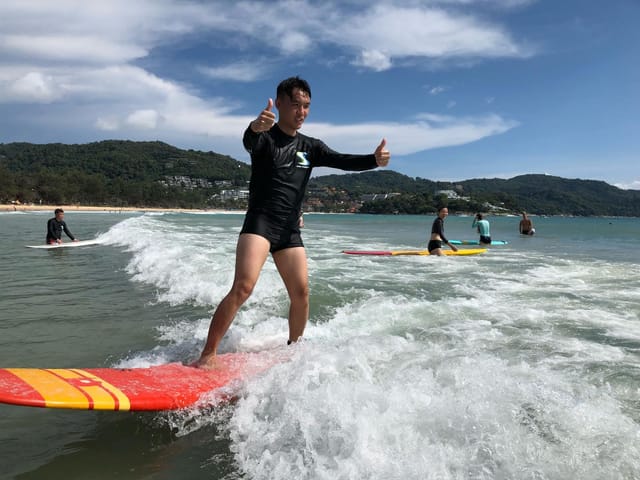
{"x": 382, "y": 154}
{"x": 265, "y": 120}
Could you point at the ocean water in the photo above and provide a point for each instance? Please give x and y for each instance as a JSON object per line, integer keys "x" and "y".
{"x": 521, "y": 363}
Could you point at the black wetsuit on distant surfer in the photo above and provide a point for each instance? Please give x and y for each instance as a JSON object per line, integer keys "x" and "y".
{"x": 437, "y": 228}
{"x": 55, "y": 228}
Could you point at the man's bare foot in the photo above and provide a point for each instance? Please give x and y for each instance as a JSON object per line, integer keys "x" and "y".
{"x": 206, "y": 362}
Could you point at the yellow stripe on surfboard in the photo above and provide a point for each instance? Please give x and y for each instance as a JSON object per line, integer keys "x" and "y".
{"x": 100, "y": 397}
{"x": 72, "y": 388}
{"x": 460, "y": 251}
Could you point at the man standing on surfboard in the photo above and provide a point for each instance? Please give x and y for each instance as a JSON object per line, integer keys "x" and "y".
{"x": 55, "y": 227}
{"x": 281, "y": 164}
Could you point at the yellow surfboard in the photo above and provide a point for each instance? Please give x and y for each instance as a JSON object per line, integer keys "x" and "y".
{"x": 461, "y": 251}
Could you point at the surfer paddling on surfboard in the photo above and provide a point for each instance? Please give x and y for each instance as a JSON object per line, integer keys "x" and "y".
{"x": 281, "y": 164}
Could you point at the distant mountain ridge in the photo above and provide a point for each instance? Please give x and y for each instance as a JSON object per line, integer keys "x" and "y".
{"x": 115, "y": 172}
{"x": 535, "y": 193}
{"x": 127, "y": 173}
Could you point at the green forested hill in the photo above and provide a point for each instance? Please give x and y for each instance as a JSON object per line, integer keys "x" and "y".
{"x": 555, "y": 195}
{"x": 538, "y": 194}
{"x": 374, "y": 181}
{"x": 125, "y": 173}
{"x": 114, "y": 172}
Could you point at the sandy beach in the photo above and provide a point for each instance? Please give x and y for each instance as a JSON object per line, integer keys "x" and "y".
{"x": 85, "y": 208}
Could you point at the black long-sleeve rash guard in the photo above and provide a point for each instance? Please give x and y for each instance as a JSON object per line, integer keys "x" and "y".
{"x": 281, "y": 166}
{"x": 438, "y": 227}
{"x": 55, "y": 229}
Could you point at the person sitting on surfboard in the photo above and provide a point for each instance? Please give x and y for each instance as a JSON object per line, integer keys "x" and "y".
{"x": 55, "y": 227}
{"x": 281, "y": 164}
{"x": 482, "y": 225}
{"x": 437, "y": 234}
{"x": 526, "y": 225}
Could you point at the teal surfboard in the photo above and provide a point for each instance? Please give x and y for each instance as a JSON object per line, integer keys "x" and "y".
{"x": 476, "y": 242}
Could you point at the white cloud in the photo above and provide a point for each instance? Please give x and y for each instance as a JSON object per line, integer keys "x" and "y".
{"x": 632, "y": 185}
{"x": 107, "y": 124}
{"x": 373, "y": 59}
{"x": 427, "y": 132}
{"x": 121, "y": 30}
{"x": 497, "y": 3}
{"x": 77, "y": 56}
{"x": 70, "y": 48}
{"x": 144, "y": 119}
{"x": 31, "y": 87}
{"x": 435, "y": 118}
{"x": 152, "y": 103}
{"x": 239, "y": 72}
{"x": 403, "y": 32}
{"x": 110, "y": 85}
{"x": 295, "y": 43}
{"x": 177, "y": 112}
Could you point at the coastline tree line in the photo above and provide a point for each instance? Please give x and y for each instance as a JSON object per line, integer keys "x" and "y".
{"x": 155, "y": 174}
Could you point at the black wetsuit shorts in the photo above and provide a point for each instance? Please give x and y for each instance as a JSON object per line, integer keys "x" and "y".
{"x": 485, "y": 239}
{"x": 279, "y": 236}
{"x": 434, "y": 245}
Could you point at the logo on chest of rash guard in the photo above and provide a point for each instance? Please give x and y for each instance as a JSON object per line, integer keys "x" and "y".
{"x": 301, "y": 160}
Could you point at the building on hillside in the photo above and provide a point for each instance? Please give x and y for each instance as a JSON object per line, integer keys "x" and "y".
{"x": 451, "y": 195}
{"x": 372, "y": 197}
{"x": 235, "y": 194}
{"x": 182, "y": 181}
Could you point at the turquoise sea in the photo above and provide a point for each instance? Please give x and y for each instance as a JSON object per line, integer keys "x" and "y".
{"x": 521, "y": 363}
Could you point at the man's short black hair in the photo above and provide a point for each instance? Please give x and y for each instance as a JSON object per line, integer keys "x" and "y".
{"x": 57, "y": 211}
{"x": 287, "y": 86}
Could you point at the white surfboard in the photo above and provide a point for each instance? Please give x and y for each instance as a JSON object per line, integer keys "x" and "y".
{"x": 81, "y": 243}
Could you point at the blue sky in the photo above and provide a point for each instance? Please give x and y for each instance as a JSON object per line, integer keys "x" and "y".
{"x": 459, "y": 88}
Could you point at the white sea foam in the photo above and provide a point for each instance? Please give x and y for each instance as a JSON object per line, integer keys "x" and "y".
{"x": 387, "y": 407}
{"x": 186, "y": 264}
{"x": 511, "y": 364}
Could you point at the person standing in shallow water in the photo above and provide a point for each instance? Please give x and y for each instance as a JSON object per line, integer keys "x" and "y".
{"x": 281, "y": 164}
{"x": 55, "y": 227}
{"x": 483, "y": 227}
{"x": 437, "y": 234}
{"x": 526, "y": 225}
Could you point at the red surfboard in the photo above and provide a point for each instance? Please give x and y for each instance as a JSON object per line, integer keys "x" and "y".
{"x": 163, "y": 387}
